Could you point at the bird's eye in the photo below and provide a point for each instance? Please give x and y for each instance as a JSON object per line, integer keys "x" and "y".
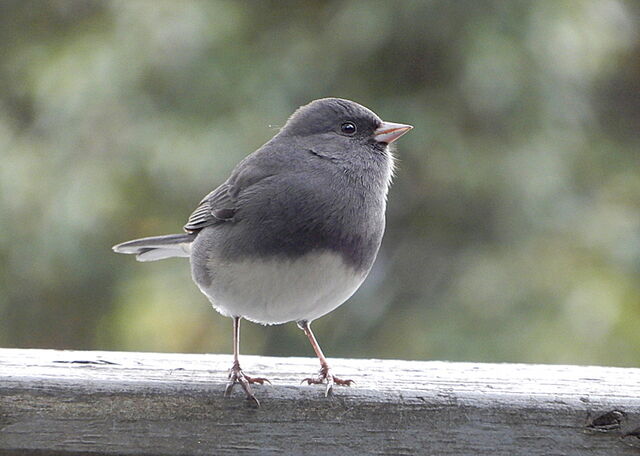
{"x": 348, "y": 128}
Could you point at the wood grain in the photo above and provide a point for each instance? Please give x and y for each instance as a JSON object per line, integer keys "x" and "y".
{"x": 88, "y": 403}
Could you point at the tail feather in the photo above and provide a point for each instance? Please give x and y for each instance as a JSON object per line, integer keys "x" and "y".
{"x": 157, "y": 247}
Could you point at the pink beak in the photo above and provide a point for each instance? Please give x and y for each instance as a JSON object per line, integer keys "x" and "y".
{"x": 388, "y": 132}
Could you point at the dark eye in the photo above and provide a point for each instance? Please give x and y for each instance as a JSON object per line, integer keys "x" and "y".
{"x": 348, "y": 128}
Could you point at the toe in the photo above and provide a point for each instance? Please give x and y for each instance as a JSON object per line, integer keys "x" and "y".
{"x": 254, "y": 400}
{"x": 259, "y": 380}
{"x": 236, "y": 376}
{"x": 228, "y": 389}
{"x": 329, "y": 390}
{"x": 247, "y": 388}
{"x": 341, "y": 382}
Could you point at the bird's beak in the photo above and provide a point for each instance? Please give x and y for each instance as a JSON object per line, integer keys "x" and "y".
{"x": 388, "y": 132}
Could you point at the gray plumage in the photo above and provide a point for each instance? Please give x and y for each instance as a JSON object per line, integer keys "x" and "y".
{"x": 308, "y": 188}
{"x": 295, "y": 229}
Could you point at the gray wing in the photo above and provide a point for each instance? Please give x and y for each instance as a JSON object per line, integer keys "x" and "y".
{"x": 217, "y": 207}
{"x": 220, "y": 205}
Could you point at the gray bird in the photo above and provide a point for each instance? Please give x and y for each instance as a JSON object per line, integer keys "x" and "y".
{"x": 295, "y": 229}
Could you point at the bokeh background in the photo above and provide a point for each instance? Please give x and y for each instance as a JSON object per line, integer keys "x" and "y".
{"x": 513, "y": 223}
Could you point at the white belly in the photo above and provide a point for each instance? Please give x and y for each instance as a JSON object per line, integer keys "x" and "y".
{"x": 277, "y": 291}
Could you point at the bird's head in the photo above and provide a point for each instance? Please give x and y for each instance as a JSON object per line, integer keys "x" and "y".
{"x": 336, "y": 125}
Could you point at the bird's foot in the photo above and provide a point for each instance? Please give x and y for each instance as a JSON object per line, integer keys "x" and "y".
{"x": 325, "y": 377}
{"x": 236, "y": 376}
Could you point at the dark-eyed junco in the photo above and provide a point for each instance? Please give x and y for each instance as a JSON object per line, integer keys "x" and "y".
{"x": 294, "y": 231}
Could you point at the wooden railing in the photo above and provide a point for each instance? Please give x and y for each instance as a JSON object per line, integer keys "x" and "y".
{"x": 89, "y": 403}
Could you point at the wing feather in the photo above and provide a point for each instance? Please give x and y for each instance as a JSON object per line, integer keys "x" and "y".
{"x": 210, "y": 209}
{"x": 221, "y": 205}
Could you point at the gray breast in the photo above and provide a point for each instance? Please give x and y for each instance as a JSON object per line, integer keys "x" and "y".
{"x": 294, "y": 214}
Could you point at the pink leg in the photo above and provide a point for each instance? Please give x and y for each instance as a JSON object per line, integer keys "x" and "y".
{"x": 235, "y": 374}
{"x": 325, "y": 375}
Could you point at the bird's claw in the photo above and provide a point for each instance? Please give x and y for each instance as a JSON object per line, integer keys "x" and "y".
{"x": 325, "y": 377}
{"x": 236, "y": 376}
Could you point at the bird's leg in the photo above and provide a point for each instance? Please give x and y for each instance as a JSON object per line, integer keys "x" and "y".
{"x": 235, "y": 374}
{"x": 325, "y": 375}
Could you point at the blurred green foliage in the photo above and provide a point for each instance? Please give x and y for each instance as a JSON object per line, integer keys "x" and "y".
{"x": 513, "y": 225}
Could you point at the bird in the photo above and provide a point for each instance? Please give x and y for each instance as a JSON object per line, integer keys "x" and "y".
{"x": 295, "y": 229}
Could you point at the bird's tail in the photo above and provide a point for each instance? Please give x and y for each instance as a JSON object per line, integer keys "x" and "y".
{"x": 158, "y": 247}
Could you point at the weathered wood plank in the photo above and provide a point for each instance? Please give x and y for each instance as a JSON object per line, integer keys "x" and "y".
{"x": 65, "y": 402}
